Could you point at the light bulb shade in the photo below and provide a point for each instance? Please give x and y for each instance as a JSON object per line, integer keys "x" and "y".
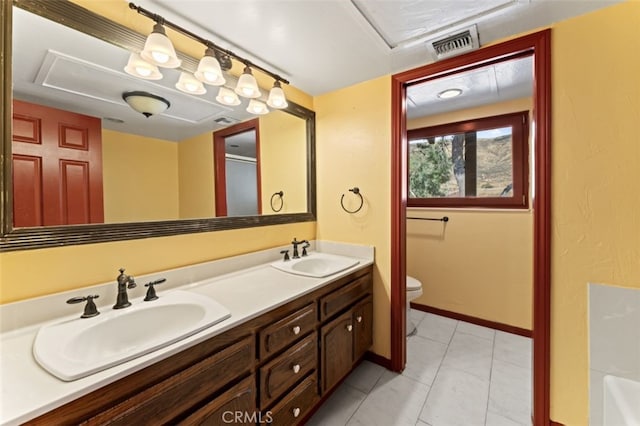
{"x": 227, "y": 97}
{"x": 276, "y": 98}
{"x": 189, "y": 84}
{"x": 257, "y": 107}
{"x": 247, "y": 85}
{"x": 146, "y": 103}
{"x": 209, "y": 71}
{"x": 159, "y": 50}
{"x": 138, "y": 67}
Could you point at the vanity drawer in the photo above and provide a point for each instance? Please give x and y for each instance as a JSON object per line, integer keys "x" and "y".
{"x": 164, "y": 401}
{"x": 293, "y": 408}
{"x": 284, "y": 371}
{"x": 347, "y": 295}
{"x": 287, "y": 330}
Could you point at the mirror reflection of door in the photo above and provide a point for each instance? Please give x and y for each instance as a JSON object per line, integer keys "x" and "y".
{"x": 237, "y": 170}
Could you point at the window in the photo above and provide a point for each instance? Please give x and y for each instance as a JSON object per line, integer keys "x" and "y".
{"x": 476, "y": 163}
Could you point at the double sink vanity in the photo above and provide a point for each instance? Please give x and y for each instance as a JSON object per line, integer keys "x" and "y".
{"x": 244, "y": 340}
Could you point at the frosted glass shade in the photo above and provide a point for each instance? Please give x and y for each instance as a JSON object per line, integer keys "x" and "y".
{"x": 277, "y": 98}
{"x": 146, "y": 103}
{"x": 257, "y": 107}
{"x": 209, "y": 71}
{"x": 159, "y": 50}
{"x": 138, "y": 67}
{"x": 247, "y": 85}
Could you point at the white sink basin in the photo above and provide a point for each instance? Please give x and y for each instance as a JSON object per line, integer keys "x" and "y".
{"x": 79, "y": 347}
{"x": 316, "y": 265}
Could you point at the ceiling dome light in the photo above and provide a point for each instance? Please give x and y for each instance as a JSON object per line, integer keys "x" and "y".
{"x": 189, "y": 84}
{"x": 276, "y": 98}
{"x": 247, "y": 85}
{"x": 159, "y": 50}
{"x": 227, "y": 97}
{"x": 257, "y": 107}
{"x": 138, "y": 67}
{"x": 449, "y": 93}
{"x": 209, "y": 71}
{"x": 146, "y": 103}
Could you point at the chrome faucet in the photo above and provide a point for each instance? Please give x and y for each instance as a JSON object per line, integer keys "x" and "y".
{"x": 124, "y": 282}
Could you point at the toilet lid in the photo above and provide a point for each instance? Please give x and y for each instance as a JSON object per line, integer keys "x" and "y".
{"x": 413, "y": 284}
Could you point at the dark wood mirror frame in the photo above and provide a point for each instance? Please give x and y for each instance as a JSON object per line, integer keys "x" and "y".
{"x": 83, "y": 20}
{"x": 538, "y": 44}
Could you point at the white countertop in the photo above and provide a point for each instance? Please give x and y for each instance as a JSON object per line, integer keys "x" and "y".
{"x": 29, "y": 391}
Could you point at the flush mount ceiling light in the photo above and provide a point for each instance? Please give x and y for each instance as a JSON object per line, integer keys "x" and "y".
{"x": 449, "y": 93}
{"x": 257, "y": 107}
{"x": 276, "y": 96}
{"x": 189, "y": 84}
{"x": 227, "y": 97}
{"x": 209, "y": 70}
{"x": 247, "y": 85}
{"x": 138, "y": 67}
{"x": 146, "y": 103}
{"x": 159, "y": 50}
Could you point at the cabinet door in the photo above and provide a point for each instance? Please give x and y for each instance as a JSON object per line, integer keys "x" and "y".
{"x": 337, "y": 350}
{"x": 362, "y": 327}
{"x": 237, "y": 406}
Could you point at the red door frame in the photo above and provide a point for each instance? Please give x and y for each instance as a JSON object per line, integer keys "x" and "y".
{"x": 540, "y": 44}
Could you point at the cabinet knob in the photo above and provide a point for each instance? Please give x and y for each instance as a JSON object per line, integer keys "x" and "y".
{"x": 296, "y": 329}
{"x": 359, "y": 318}
{"x": 349, "y": 327}
{"x": 296, "y": 412}
{"x": 296, "y": 368}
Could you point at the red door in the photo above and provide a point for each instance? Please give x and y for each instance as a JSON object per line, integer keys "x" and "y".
{"x": 57, "y": 167}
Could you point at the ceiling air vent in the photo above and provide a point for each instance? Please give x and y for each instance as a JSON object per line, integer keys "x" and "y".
{"x": 454, "y": 44}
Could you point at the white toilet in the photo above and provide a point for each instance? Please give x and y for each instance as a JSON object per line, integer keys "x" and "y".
{"x": 414, "y": 289}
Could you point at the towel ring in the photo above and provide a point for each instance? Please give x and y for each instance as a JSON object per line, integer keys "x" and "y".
{"x": 356, "y": 191}
{"x": 280, "y": 194}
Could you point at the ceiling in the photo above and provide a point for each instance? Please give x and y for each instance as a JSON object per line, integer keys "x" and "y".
{"x": 319, "y": 45}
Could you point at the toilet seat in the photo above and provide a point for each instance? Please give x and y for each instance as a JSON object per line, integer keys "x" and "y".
{"x": 413, "y": 284}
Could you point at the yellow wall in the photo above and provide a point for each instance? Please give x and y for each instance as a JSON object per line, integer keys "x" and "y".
{"x": 152, "y": 164}
{"x": 482, "y": 264}
{"x": 596, "y": 170}
{"x": 353, "y": 149}
{"x": 283, "y": 149}
{"x": 195, "y": 170}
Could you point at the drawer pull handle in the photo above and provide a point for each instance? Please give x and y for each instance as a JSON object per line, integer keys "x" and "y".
{"x": 359, "y": 318}
{"x": 349, "y": 327}
{"x": 296, "y": 329}
{"x": 296, "y": 368}
{"x": 296, "y": 412}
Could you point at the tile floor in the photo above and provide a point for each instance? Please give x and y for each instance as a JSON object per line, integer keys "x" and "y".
{"x": 457, "y": 374}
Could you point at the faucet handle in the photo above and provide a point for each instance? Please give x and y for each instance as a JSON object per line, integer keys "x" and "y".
{"x": 151, "y": 292}
{"x": 305, "y": 246}
{"x": 90, "y": 309}
{"x": 286, "y": 254}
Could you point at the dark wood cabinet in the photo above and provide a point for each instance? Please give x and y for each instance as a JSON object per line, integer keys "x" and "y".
{"x": 271, "y": 369}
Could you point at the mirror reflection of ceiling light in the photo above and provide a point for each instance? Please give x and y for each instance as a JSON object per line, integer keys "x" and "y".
{"x": 227, "y": 97}
{"x": 146, "y": 103}
{"x": 257, "y": 107}
{"x": 138, "y": 67}
{"x": 189, "y": 84}
{"x": 276, "y": 96}
{"x": 449, "y": 93}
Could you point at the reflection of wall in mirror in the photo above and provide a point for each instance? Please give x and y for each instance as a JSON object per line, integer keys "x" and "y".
{"x": 283, "y": 161}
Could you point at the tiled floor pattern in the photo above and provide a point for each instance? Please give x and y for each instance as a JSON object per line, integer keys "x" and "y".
{"x": 457, "y": 373}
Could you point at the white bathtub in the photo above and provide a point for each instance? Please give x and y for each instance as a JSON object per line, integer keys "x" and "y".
{"x": 621, "y": 402}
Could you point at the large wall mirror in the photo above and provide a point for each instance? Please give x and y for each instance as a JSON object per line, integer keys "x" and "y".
{"x": 157, "y": 174}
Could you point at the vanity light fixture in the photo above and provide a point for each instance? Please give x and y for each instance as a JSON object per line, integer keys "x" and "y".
{"x": 276, "y": 98}
{"x": 159, "y": 51}
{"x": 188, "y": 83}
{"x": 146, "y": 103}
{"x": 209, "y": 70}
{"x": 449, "y": 93}
{"x": 138, "y": 67}
{"x": 227, "y": 97}
{"x": 257, "y": 107}
{"x": 247, "y": 85}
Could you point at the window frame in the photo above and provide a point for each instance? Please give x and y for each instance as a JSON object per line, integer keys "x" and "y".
{"x": 519, "y": 123}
